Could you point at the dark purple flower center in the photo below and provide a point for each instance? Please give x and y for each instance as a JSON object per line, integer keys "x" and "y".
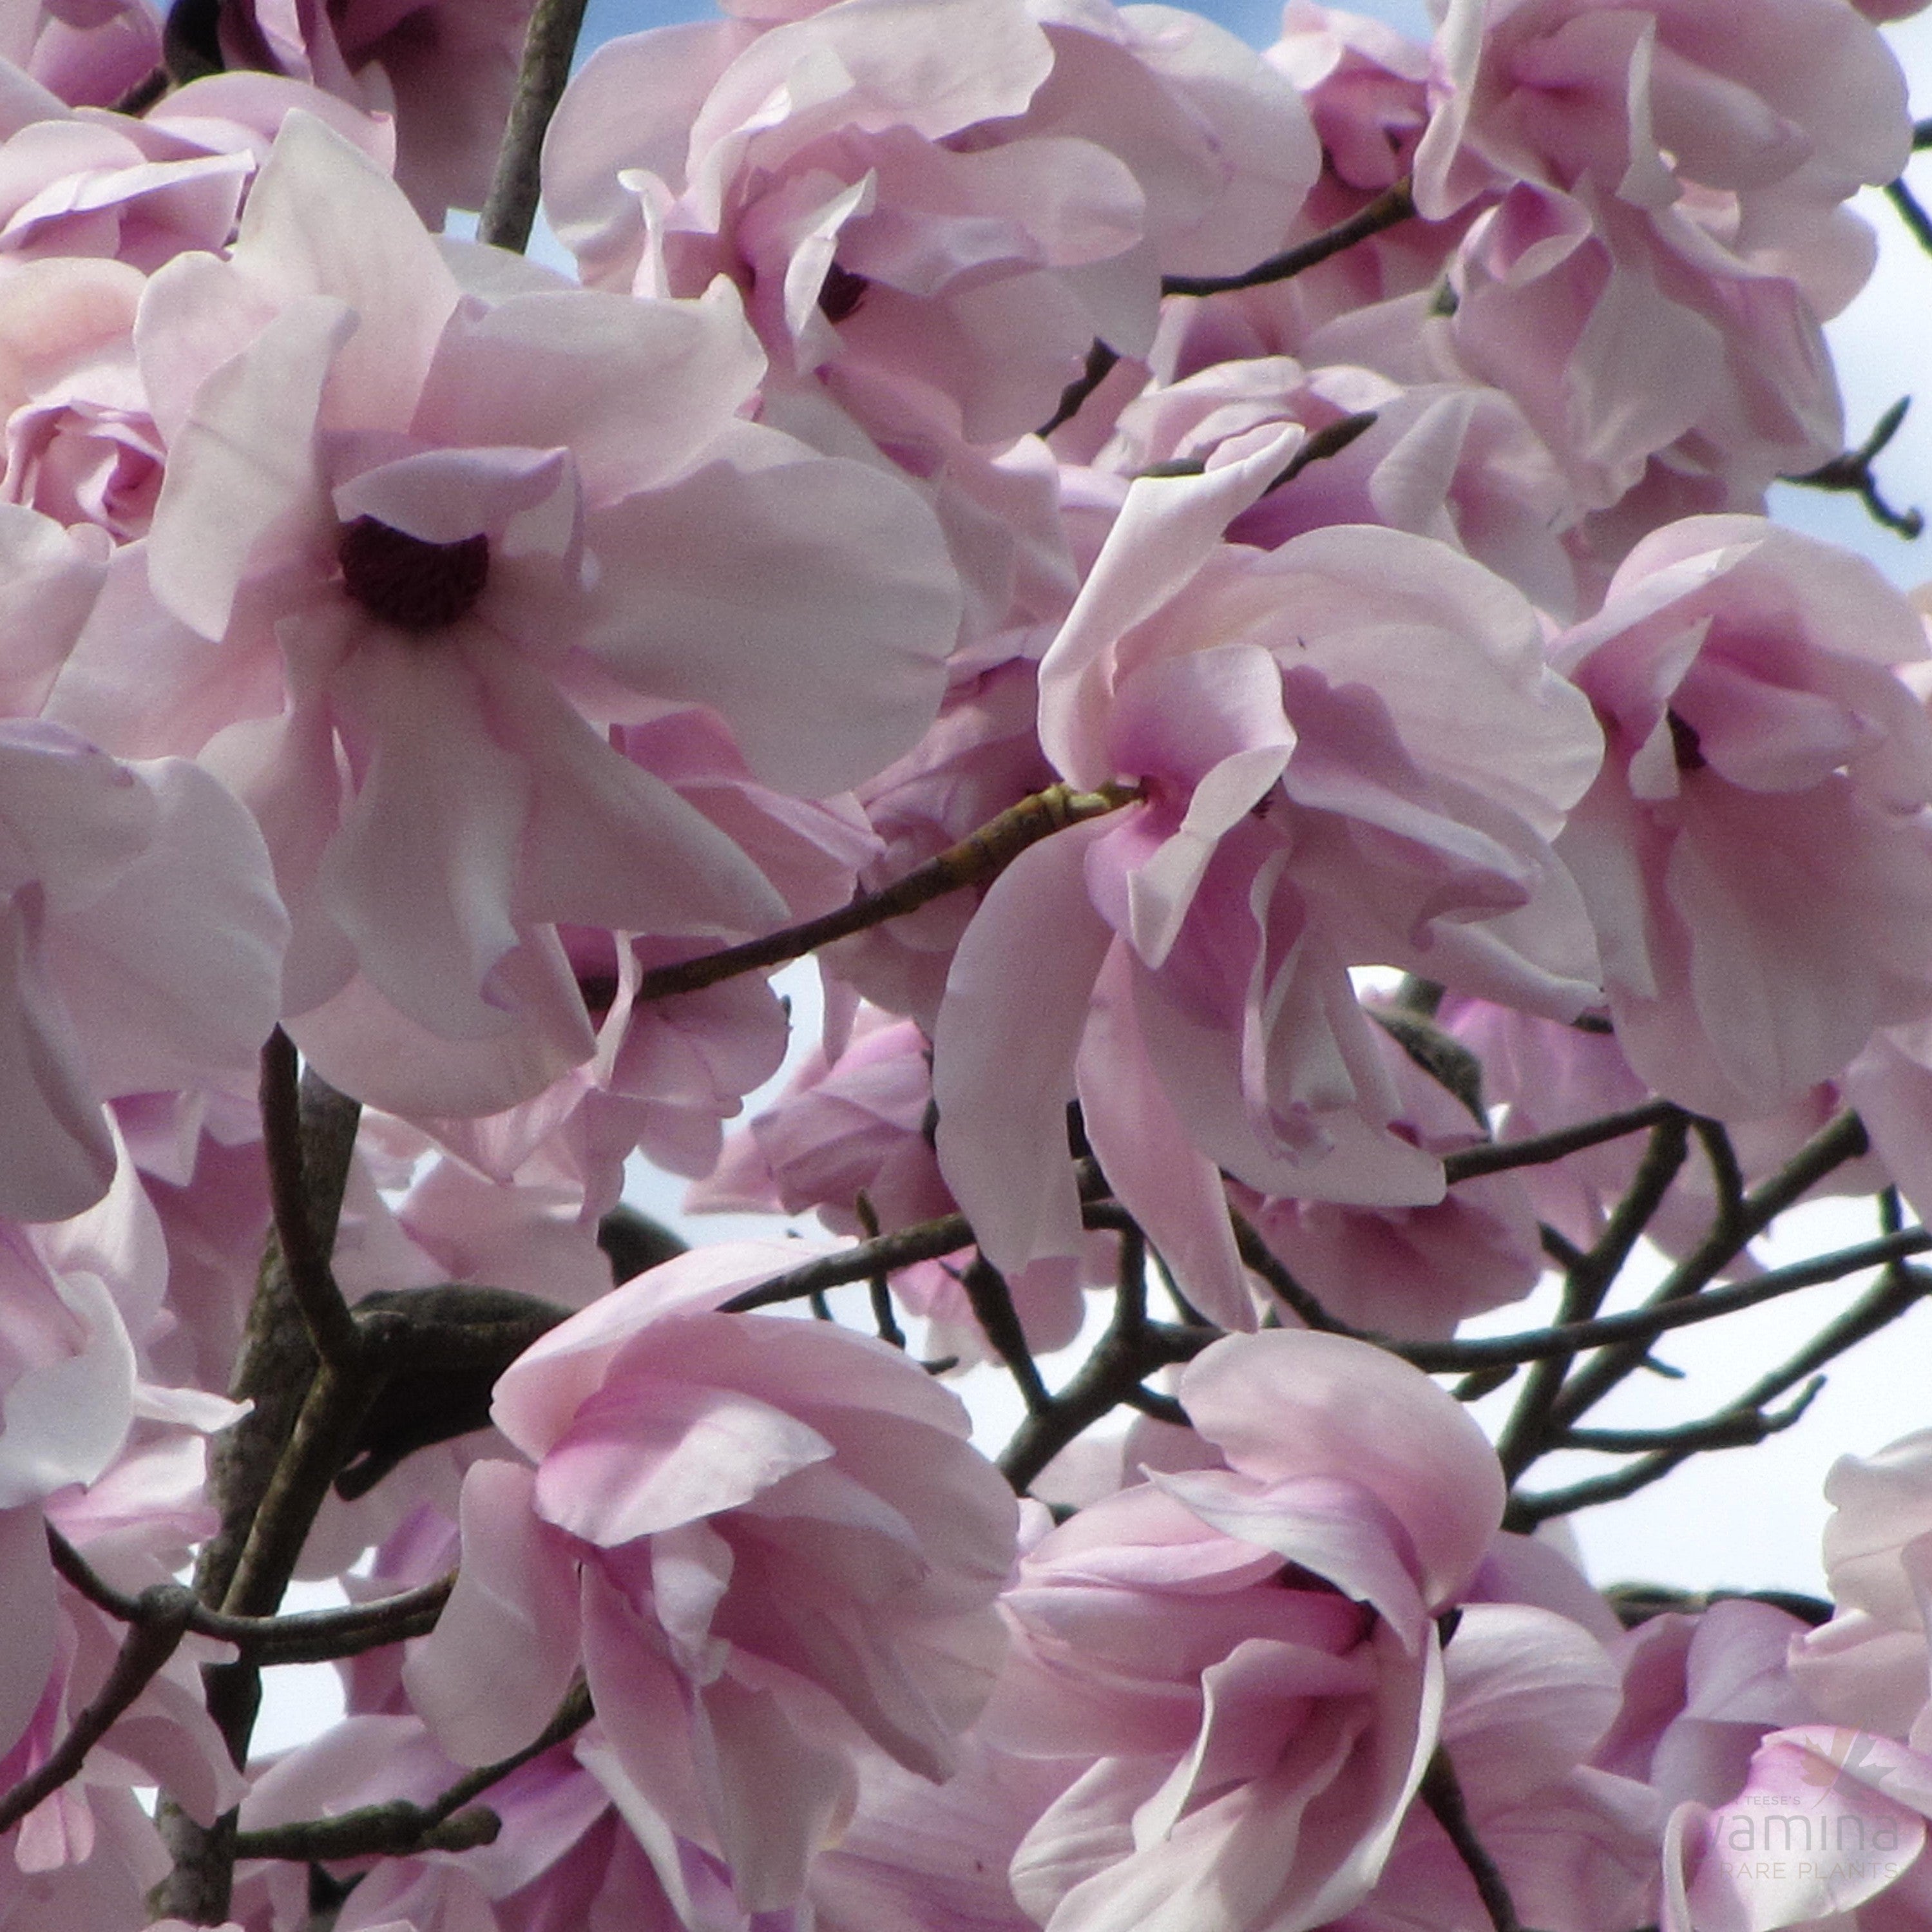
{"x": 413, "y": 585}
{"x": 1683, "y": 741}
{"x": 841, "y": 293}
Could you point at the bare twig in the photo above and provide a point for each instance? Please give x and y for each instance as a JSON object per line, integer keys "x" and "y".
{"x": 992, "y": 1304}
{"x": 331, "y": 1328}
{"x": 1735, "y": 1428}
{"x": 1100, "y": 361}
{"x": 149, "y": 1643}
{"x": 401, "y": 1829}
{"x": 1443, "y": 1794}
{"x": 1731, "y": 1429}
{"x": 973, "y": 862}
{"x": 310, "y": 1636}
{"x": 1909, "y": 211}
{"x": 1498, "y": 1156}
{"x": 509, "y": 212}
{"x": 1393, "y": 206}
{"x": 1851, "y": 472}
{"x": 1840, "y": 1140}
{"x": 1588, "y": 1282}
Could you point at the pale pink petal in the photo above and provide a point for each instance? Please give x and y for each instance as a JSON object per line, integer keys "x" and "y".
{"x": 510, "y": 1623}
{"x": 1287, "y": 1403}
{"x": 1005, "y": 1047}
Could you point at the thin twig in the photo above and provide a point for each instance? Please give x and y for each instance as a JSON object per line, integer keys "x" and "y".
{"x": 147, "y": 1646}
{"x": 1100, "y": 361}
{"x": 401, "y": 1829}
{"x": 309, "y": 1637}
{"x": 1731, "y": 1429}
{"x": 1442, "y": 1793}
{"x": 509, "y": 212}
{"x": 1259, "y": 1258}
{"x": 1499, "y": 1156}
{"x": 1909, "y": 211}
{"x": 973, "y": 862}
{"x": 1391, "y": 208}
{"x": 1850, "y": 473}
{"x": 992, "y": 1304}
{"x": 1735, "y": 1428}
{"x": 331, "y": 1326}
{"x": 1527, "y": 1435}
{"x": 1841, "y": 1139}
{"x": 884, "y": 1319}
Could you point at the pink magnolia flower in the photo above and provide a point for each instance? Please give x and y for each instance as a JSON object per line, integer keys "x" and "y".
{"x": 136, "y": 1523}
{"x": 767, "y": 1541}
{"x": 1670, "y": 232}
{"x": 84, "y": 53}
{"x": 960, "y": 197}
{"x": 1528, "y": 1697}
{"x": 1869, "y": 1666}
{"x": 1454, "y": 461}
{"x": 81, "y": 446}
{"x": 417, "y": 554}
{"x": 1245, "y": 1656}
{"x": 668, "y": 1073}
{"x": 443, "y": 70}
{"x": 1415, "y": 1272}
{"x": 1350, "y": 751}
{"x": 861, "y": 1125}
{"x": 981, "y": 755}
{"x": 1756, "y": 854}
{"x": 143, "y": 951}
{"x": 1366, "y": 88}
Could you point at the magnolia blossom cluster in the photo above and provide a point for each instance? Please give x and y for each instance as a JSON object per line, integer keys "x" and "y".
{"x": 1236, "y": 519}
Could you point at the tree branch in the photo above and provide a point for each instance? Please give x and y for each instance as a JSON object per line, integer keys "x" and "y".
{"x": 149, "y": 1643}
{"x": 1851, "y": 472}
{"x": 973, "y": 862}
{"x": 331, "y": 1328}
{"x": 310, "y": 1636}
{"x": 1731, "y": 1429}
{"x": 509, "y": 212}
{"x": 1393, "y": 206}
{"x": 1499, "y": 1156}
{"x": 1840, "y": 1140}
{"x": 1443, "y": 1794}
{"x": 1588, "y": 1282}
{"x": 401, "y": 1829}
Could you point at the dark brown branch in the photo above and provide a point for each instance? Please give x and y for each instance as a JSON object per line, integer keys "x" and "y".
{"x": 973, "y": 862}
{"x": 331, "y": 1327}
{"x": 1909, "y": 211}
{"x": 1730, "y": 1429}
{"x": 1498, "y": 1156}
{"x": 1100, "y": 361}
{"x": 1259, "y": 1258}
{"x": 148, "y": 1644}
{"x": 401, "y": 1829}
{"x": 1392, "y": 207}
{"x": 1726, "y": 1175}
{"x": 310, "y": 1636}
{"x": 1443, "y": 1794}
{"x": 1850, "y": 473}
{"x": 1735, "y": 1428}
{"x": 509, "y": 212}
{"x": 926, "y": 1241}
{"x": 1641, "y": 1326}
{"x": 992, "y": 1305}
{"x": 1840, "y": 1140}
{"x": 1587, "y": 1283}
